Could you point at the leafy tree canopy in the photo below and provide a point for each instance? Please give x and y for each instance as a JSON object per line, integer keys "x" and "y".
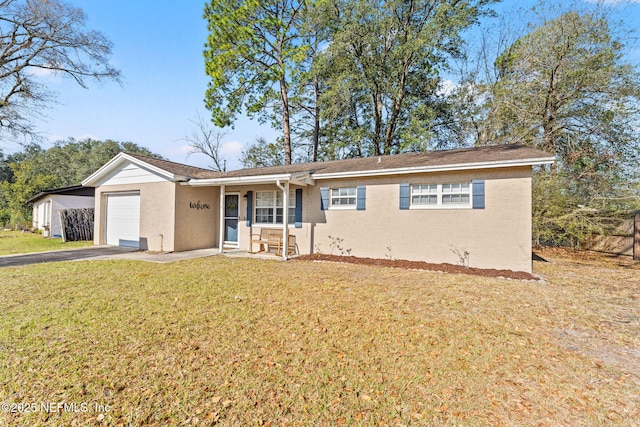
{"x": 382, "y": 68}
{"x": 363, "y": 74}
{"x": 262, "y": 154}
{"x": 252, "y": 50}
{"x": 67, "y": 163}
{"x": 566, "y": 89}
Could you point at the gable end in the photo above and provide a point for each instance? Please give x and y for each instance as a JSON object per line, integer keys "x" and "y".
{"x": 130, "y": 173}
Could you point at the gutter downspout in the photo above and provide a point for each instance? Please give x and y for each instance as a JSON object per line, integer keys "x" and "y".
{"x": 285, "y": 219}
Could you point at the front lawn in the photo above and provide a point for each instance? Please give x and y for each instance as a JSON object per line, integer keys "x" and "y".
{"x": 257, "y": 342}
{"x": 17, "y": 242}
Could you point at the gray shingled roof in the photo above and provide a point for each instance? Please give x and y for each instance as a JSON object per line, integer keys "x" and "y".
{"x": 496, "y": 153}
{"x": 175, "y": 168}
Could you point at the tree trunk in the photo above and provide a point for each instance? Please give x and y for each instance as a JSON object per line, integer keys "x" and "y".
{"x": 548, "y": 126}
{"x": 377, "y": 114}
{"x": 356, "y": 125}
{"x": 549, "y": 137}
{"x": 397, "y": 106}
{"x": 316, "y": 124}
{"x": 549, "y": 115}
{"x": 286, "y": 125}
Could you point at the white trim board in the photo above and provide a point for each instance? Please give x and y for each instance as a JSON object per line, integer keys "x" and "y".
{"x": 432, "y": 169}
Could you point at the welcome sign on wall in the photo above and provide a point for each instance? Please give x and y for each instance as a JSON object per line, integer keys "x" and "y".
{"x": 198, "y": 206}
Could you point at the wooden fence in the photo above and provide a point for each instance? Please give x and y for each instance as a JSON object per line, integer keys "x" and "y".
{"x": 625, "y": 239}
{"x": 76, "y": 224}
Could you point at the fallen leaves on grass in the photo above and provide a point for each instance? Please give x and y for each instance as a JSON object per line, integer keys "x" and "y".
{"x": 251, "y": 342}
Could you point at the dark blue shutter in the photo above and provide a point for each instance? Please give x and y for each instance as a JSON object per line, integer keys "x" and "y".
{"x": 298, "y": 207}
{"x": 478, "y": 193}
{"x": 249, "y": 207}
{"x": 361, "y": 201}
{"x": 324, "y": 198}
{"x": 404, "y": 196}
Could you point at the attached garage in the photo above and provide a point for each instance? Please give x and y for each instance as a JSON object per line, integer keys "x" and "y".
{"x": 122, "y": 221}
{"x": 142, "y": 202}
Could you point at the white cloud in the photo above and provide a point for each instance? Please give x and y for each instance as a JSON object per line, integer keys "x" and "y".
{"x": 227, "y": 149}
{"x": 182, "y": 150}
{"x": 230, "y": 151}
{"x": 180, "y": 154}
{"x": 231, "y": 148}
{"x": 40, "y": 72}
{"x": 53, "y": 137}
{"x": 447, "y": 87}
{"x": 44, "y": 74}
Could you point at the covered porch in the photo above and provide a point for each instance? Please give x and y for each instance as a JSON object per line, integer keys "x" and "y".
{"x": 268, "y": 224}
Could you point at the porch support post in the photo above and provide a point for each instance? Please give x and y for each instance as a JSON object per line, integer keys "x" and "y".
{"x": 221, "y": 231}
{"x": 285, "y": 222}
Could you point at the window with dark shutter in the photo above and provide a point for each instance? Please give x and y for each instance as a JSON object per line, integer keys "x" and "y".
{"x": 249, "y": 208}
{"x": 361, "y": 202}
{"x": 298, "y": 212}
{"x": 478, "y": 193}
{"x": 324, "y": 198}
{"x": 404, "y": 196}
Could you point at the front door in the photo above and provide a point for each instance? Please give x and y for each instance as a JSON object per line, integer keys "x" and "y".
{"x": 231, "y": 210}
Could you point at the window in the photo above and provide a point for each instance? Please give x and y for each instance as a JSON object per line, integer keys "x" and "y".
{"x": 270, "y": 204}
{"x": 456, "y": 194}
{"x": 343, "y": 197}
{"x": 424, "y": 194}
{"x": 441, "y": 195}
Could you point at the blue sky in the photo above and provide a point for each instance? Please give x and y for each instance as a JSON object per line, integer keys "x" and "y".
{"x": 158, "y": 48}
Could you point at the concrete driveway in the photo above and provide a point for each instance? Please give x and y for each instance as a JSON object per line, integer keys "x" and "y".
{"x": 64, "y": 255}
{"x": 102, "y": 253}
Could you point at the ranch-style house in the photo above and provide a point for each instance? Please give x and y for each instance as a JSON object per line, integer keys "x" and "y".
{"x": 471, "y": 205}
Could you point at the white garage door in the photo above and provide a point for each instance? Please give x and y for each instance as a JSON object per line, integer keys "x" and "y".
{"x": 123, "y": 220}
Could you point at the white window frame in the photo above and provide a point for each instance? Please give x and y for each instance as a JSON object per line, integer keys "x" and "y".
{"x": 442, "y": 191}
{"x": 275, "y": 206}
{"x": 349, "y": 206}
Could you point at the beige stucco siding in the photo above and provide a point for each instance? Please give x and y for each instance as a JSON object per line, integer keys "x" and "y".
{"x": 196, "y": 211}
{"x": 157, "y": 213}
{"x": 498, "y": 236}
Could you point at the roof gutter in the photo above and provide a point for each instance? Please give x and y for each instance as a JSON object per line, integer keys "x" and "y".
{"x": 258, "y": 179}
{"x": 298, "y": 179}
{"x": 439, "y": 168}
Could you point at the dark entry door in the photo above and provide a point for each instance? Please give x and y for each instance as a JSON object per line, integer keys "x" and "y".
{"x": 231, "y": 218}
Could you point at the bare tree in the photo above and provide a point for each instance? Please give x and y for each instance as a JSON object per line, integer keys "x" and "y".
{"x": 40, "y": 37}
{"x": 208, "y": 141}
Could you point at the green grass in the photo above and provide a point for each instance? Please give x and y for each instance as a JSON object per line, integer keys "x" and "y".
{"x": 17, "y": 242}
{"x": 256, "y": 342}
